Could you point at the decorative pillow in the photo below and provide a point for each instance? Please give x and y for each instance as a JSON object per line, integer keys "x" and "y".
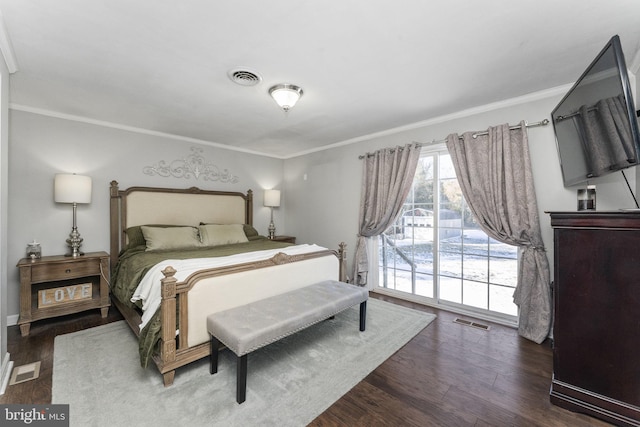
{"x": 250, "y": 232}
{"x": 136, "y": 238}
{"x": 222, "y": 234}
{"x": 158, "y": 238}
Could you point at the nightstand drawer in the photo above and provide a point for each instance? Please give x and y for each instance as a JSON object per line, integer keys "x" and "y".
{"x": 65, "y": 270}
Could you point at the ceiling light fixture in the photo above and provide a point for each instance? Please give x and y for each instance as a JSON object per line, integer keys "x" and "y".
{"x": 286, "y": 95}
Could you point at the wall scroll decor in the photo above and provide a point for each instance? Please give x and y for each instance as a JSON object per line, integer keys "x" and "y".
{"x": 193, "y": 165}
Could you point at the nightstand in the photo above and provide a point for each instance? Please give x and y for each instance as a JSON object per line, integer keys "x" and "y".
{"x": 57, "y": 285}
{"x": 286, "y": 239}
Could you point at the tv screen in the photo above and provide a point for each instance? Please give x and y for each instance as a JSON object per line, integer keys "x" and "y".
{"x": 595, "y": 123}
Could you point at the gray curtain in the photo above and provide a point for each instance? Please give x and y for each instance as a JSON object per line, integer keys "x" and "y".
{"x": 607, "y": 120}
{"x": 387, "y": 177}
{"x": 494, "y": 172}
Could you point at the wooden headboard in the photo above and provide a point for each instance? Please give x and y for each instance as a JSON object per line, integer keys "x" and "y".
{"x": 191, "y": 206}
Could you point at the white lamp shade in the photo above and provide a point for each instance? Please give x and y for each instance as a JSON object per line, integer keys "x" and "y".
{"x": 272, "y": 198}
{"x": 72, "y": 188}
{"x": 286, "y": 95}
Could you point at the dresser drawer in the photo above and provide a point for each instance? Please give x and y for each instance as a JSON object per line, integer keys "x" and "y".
{"x": 64, "y": 270}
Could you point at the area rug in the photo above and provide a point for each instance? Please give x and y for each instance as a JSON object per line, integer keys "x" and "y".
{"x": 289, "y": 383}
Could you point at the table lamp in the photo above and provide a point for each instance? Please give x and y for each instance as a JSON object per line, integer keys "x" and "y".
{"x": 272, "y": 200}
{"x": 72, "y": 188}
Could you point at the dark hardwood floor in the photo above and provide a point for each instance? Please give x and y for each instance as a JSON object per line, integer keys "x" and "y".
{"x": 448, "y": 375}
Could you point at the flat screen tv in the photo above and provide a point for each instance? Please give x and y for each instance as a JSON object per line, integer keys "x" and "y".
{"x": 595, "y": 123}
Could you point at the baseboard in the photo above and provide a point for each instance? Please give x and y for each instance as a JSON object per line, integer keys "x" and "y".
{"x": 5, "y": 372}
{"x": 584, "y": 401}
{"x": 12, "y": 320}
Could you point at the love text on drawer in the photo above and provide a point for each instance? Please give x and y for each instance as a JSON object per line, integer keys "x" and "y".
{"x": 64, "y": 294}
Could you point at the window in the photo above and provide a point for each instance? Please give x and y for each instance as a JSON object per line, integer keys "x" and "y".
{"x": 436, "y": 250}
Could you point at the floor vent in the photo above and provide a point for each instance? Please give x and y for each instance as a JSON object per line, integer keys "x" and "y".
{"x": 24, "y": 373}
{"x": 472, "y": 324}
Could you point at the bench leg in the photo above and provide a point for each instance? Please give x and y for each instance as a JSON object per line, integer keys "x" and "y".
{"x": 213, "y": 357}
{"x": 363, "y": 315}
{"x": 241, "y": 386}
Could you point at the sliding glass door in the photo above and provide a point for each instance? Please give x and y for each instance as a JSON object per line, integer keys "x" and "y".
{"x": 437, "y": 252}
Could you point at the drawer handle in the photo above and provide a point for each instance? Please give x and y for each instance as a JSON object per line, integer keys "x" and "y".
{"x": 68, "y": 270}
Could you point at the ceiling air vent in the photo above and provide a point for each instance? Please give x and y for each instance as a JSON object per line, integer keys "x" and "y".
{"x": 244, "y": 77}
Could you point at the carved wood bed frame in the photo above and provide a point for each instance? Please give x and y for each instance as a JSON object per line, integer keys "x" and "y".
{"x": 149, "y": 205}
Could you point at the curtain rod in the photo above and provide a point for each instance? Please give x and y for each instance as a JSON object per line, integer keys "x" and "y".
{"x": 577, "y": 113}
{"x": 527, "y": 125}
{"x": 475, "y": 135}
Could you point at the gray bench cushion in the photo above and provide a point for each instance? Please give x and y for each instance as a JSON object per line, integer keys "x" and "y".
{"x": 252, "y": 326}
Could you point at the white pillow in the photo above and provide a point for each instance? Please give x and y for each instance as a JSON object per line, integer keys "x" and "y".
{"x": 170, "y": 238}
{"x": 222, "y": 234}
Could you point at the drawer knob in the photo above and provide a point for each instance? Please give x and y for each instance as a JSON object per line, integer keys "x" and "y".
{"x": 68, "y": 270}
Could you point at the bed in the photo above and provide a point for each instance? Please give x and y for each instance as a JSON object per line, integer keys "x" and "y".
{"x": 176, "y": 282}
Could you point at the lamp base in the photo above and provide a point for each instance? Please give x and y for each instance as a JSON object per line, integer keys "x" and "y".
{"x": 272, "y": 230}
{"x": 74, "y": 241}
{"x": 74, "y": 256}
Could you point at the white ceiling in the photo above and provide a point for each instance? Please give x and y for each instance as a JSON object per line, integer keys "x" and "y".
{"x": 366, "y": 66}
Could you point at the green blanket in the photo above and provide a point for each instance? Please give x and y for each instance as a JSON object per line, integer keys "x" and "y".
{"x": 134, "y": 263}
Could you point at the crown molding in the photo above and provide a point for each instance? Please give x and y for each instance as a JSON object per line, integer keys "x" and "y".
{"x": 81, "y": 119}
{"x": 547, "y": 93}
{"x": 7, "y": 48}
{"x": 555, "y": 91}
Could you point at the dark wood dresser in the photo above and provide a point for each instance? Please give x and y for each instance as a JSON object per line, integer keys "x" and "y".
{"x": 596, "y": 332}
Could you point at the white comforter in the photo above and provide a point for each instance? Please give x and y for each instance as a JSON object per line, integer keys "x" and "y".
{"x": 148, "y": 291}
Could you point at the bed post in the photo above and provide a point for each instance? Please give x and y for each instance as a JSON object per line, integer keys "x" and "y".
{"x": 249, "y": 205}
{"x": 114, "y": 223}
{"x": 168, "y": 321}
{"x": 342, "y": 262}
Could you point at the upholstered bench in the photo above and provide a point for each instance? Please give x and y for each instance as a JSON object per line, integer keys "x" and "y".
{"x": 249, "y": 327}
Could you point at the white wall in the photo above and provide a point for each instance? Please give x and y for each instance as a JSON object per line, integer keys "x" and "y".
{"x": 324, "y": 207}
{"x": 5, "y": 364}
{"x": 41, "y": 146}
